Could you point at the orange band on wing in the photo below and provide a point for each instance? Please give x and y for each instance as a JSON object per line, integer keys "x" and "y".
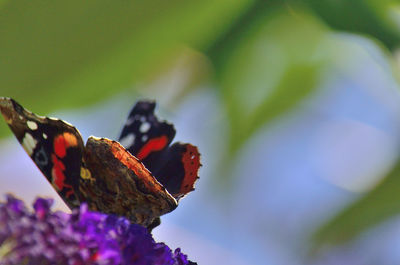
{"x": 155, "y": 144}
{"x": 191, "y": 164}
{"x": 136, "y": 166}
{"x": 62, "y": 142}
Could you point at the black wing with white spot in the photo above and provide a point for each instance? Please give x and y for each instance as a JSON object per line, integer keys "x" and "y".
{"x": 55, "y": 146}
{"x": 144, "y": 136}
{"x": 149, "y": 139}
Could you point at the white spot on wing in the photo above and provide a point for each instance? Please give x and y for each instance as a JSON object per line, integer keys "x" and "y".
{"x": 128, "y": 140}
{"x": 144, "y": 138}
{"x": 144, "y": 127}
{"x": 44, "y": 136}
{"x": 32, "y": 125}
{"x": 29, "y": 143}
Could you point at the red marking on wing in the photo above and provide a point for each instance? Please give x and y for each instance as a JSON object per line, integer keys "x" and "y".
{"x": 155, "y": 144}
{"x": 59, "y": 177}
{"x": 136, "y": 166}
{"x": 57, "y": 173}
{"x": 62, "y": 142}
{"x": 191, "y": 164}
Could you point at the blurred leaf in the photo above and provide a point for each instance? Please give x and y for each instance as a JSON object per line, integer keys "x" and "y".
{"x": 372, "y": 17}
{"x": 376, "y": 206}
{"x": 56, "y": 54}
{"x": 2, "y": 2}
{"x": 273, "y": 67}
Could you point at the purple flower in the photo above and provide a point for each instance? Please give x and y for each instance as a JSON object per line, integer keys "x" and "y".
{"x": 83, "y": 237}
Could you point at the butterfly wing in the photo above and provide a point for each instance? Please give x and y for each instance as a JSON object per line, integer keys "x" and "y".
{"x": 177, "y": 169}
{"x": 55, "y": 146}
{"x": 149, "y": 139}
{"x": 122, "y": 185}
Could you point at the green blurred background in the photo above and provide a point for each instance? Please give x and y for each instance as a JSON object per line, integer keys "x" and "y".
{"x": 294, "y": 106}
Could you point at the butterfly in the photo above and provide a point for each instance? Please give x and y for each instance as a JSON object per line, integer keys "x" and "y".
{"x": 141, "y": 177}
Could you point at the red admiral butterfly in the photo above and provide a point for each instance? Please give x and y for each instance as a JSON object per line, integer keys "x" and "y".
{"x": 111, "y": 177}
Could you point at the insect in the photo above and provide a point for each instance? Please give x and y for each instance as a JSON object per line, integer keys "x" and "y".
{"x": 141, "y": 177}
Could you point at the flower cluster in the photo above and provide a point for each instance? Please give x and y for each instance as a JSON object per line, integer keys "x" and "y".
{"x": 83, "y": 237}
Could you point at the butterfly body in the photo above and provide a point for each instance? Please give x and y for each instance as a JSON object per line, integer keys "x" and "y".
{"x": 141, "y": 177}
